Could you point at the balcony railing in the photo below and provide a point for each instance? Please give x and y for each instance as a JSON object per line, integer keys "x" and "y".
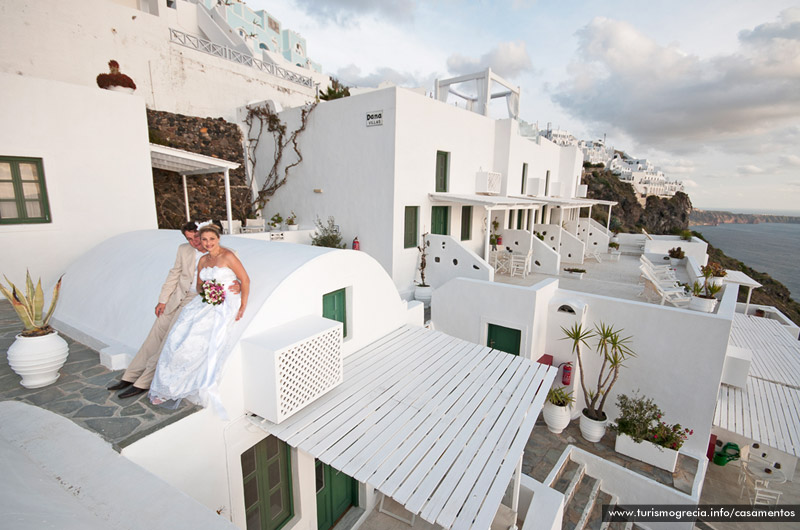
{"x": 223, "y": 52}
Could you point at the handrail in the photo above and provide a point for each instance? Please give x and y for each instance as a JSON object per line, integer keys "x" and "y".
{"x": 223, "y": 52}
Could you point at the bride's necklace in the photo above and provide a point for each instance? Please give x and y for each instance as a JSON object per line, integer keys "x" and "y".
{"x": 212, "y": 259}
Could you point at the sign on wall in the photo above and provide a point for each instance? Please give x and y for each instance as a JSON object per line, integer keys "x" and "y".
{"x": 374, "y": 118}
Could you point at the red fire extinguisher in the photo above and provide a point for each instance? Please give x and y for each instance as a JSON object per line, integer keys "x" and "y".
{"x": 499, "y": 239}
{"x": 566, "y": 374}
{"x": 356, "y": 244}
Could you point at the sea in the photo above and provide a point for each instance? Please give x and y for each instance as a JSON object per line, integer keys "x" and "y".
{"x": 773, "y": 248}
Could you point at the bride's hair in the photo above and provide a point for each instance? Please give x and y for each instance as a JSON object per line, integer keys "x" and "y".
{"x": 211, "y": 228}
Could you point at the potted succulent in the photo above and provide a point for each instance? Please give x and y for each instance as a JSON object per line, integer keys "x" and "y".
{"x": 38, "y": 353}
{"x": 704, "y": 296}
{"x": 423, "y": 291}
{"x": 275, "y": 222}
{"x": 713, "y": 272}
{"x": 116, "y": 80}
{"x": 675, "y": 256}
{"x": 557, "y": 409}
{"x": 613, "y": 349}
{"x": 641, "y": 434}
{"x": 575, "y": 272}
{"x": 291, "y": 221}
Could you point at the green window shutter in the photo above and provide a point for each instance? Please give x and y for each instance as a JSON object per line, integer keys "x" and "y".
{"x": 524, "y": 178}
{"x": 23, "y": 194}
{"x": 504, "y": 339}
{"x": 520, "y": 214}
{"x": 442, "y": 171}
{"x": 466, "y": 223}
{"x": 334, "y": 306}
{"x": 267, "y": 478}
{"x": 440, "y": 220}
{"x": 410, "y": 233}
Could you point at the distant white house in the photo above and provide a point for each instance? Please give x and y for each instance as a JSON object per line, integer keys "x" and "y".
{"x": 390, "y": 165}
{"x": 645, "y": 177}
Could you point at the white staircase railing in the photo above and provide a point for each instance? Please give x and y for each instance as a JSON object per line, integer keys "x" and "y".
{"x": 448, "y": 259}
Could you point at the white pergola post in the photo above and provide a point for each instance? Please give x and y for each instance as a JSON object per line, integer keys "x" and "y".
{"x": 608, "y": 221}
{"x": 749, "y": 294}
{"x": 515, "y": 494}
{"x": 228, "y": 199}
{"x": 186, "y": 197}
{"x": 488, "y": 229}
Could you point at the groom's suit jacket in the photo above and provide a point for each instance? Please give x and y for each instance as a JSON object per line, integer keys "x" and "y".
{"x": 180, "y": 285}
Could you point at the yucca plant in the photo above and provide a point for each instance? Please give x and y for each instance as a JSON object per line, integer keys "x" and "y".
{"x": 29, "y": 305}
{"x": 613, "y": 348}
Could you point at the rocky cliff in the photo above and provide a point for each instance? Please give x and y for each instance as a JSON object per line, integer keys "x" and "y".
{"x": 713, "y": 217}
{"x": 659, "y": 216}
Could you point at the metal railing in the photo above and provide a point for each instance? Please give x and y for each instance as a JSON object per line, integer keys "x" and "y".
{"x": 223, "y": 52}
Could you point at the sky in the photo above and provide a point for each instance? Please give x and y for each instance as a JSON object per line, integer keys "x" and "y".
{"x": 708, "y": 91}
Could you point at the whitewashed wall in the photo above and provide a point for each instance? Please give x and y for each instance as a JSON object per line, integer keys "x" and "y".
{"x": 696, "y": 248}
{"x": 680, "y": 352}
{"x": 93, "y": 146}
{"x": 168, "y": 76}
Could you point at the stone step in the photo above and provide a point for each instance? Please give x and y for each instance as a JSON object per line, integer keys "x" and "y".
{"x": 564, "y": 476}
{"x": 584, "y": 493}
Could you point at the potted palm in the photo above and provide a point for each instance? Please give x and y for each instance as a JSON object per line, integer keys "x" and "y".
{"x": 423, "y": 291}
{"x": 613, "y": 349}
{"x": 704, "y": 296}
{"x": 38, "y": 353}
{"x": 641, "y": 434}
{"x": 713, "y": 272}
{"x": 557, "y": 409}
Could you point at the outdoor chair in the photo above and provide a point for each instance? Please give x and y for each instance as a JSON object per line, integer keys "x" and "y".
{"x": 520, "y": 264}
{"x": 766, "y": 497}
{"x": 235, "y": 228}
{"x": 253, "y": 225}
{"x": 593, "y": 254}
{"x": 656, "y": 267}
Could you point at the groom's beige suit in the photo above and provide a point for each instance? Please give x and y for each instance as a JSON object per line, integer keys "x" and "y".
{"x": 178, "y": 290}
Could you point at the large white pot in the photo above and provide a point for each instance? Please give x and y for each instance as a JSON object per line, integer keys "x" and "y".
{"x": 716, "y": 280}
{"x": 38, "y": 359}
{"x": 647, "y": 452}
{"x": 557, "y": 418}
{"x": 706, "y": 305}
{"x": 292, "y": 227}
{"x": 423, "y": 294}
{"x": 592, "y": 430}
{"x": 123, "y": 89}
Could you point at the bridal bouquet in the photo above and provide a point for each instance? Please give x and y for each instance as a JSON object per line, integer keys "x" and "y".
{"x": 213, "y": 293}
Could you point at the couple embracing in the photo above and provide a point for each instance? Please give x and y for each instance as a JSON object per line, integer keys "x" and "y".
{"x": 184, "y": 353}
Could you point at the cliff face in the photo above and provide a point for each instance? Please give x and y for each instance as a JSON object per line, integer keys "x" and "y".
{"x": 707, "y": 217}
{"x": 659, "y": 216}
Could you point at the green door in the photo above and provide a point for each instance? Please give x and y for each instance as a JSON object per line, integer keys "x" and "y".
{"x": 440, "y": 220}
{"x": 504, "y": 339}
{"x": 334, "y": 306}
{"x": 336, "y": 492}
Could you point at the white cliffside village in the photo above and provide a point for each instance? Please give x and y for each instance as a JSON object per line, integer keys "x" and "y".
{"x": 350, "y": 403}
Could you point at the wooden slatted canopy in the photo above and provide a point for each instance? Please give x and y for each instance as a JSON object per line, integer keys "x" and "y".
{"x": 767, "y": 410}
{"x": 437, "y": 423}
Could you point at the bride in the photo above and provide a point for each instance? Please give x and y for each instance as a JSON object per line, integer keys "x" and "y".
{"x": 195, "y": 350}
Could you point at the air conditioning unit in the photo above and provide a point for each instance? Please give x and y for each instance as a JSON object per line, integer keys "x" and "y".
{"x": 488, "y": 183}
{"x": 535, "y": 187}
{"x": 583, "y": 189}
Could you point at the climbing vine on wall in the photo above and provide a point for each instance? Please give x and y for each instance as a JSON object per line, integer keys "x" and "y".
{"x": 261, "y": 118}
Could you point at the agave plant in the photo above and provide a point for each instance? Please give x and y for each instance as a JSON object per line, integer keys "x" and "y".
{"x": 614, "y": 350}
{"x": 29, "y": 305}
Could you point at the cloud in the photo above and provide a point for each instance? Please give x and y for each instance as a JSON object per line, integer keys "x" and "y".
{"x": 749, "y": 170}
{"x": 678, "y": 166}
{"x": 351, "y": 76}
{"x": 345, "y": 11}
{"x": 790, "y": 160}
{"x": 508, "y": 59}
{"x": 689, "y": 183}
{"x": 664, "y": 97}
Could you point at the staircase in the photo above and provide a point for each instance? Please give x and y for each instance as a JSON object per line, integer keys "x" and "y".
{"x": 584, "y": 499}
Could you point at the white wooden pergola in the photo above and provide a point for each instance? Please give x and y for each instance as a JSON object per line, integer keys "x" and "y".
{"x": 436, "y": 423}
{"x": 490, "y": 203}
{"x": 188, "y": 164}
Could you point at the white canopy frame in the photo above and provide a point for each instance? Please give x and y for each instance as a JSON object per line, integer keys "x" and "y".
{"x": 188, "y": 164}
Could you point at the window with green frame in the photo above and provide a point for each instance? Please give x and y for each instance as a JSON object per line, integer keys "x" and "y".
{"x": 466, "y": 223}
{"x": 440, "y": 220}
{"x": 442, "y": 171}
{"x": 334, "y": 306}
{"x": 267, "y": 478}
{"x": 23, "y": 194}
{"x": 411, "y": 231}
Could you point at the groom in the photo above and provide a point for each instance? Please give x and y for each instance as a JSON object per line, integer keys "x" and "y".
{"x": 177, "y": 291}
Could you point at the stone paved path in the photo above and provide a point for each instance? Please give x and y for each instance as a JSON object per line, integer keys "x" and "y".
{"x": 80, "y": 393}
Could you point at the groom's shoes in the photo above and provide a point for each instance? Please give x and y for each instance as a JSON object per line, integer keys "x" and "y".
{"x": 119, "y": 386}
{"x": 132, "y": 391}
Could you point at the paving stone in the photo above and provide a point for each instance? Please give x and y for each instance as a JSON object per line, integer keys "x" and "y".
{"x": 135, "y": 409}
{"x": 113, "y": 429}
{"x": 96, "y": 394}
{"x": 45, "y": 396}
{"x": 78, "y": 367}
{"x": 99, "y": 369}
{"x": 95, "y": 411}
{"x": 65, "y": 407}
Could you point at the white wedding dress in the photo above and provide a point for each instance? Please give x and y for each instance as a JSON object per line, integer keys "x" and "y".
{"x": 196, "y": 348}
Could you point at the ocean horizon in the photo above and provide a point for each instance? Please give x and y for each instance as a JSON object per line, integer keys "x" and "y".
{"x": 762, "y": 211}
{"x": 773, "y": 248}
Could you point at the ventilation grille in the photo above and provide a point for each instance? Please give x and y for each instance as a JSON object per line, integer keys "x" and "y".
{"x": 308, "y": 370}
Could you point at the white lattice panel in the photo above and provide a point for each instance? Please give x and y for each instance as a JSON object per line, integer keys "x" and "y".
{"x": 288, "y": 367}
{"x": 488, "y": 182}
{"x": 308, "y": 370}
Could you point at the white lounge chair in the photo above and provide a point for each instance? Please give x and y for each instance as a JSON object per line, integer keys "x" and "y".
{"x": 669, "y": 292}
{"x": 253, "y": 225}
{"x": 236, "y": 227}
